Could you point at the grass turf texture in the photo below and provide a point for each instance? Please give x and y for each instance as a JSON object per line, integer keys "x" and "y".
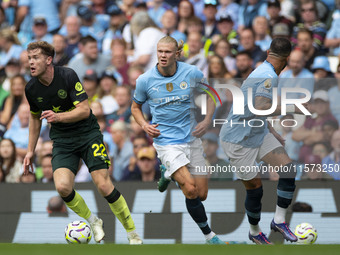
{"x": 177, "y": 249}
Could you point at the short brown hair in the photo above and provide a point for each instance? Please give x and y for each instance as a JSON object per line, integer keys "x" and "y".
{"x": 46, "y": 48}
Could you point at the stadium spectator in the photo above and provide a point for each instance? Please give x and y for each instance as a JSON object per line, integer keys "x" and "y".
{"x": 3, "y": 22}
{"x": 133, "y": 73}
{"x": 209, "y": 11}
{"x": 146, "y": 161}
{"x": 56, "y": 207}
{"x": 123, "y": 150}
{"x": 156, "y": 10}
{"x": 228, "y": 7}
{"x": 59, "y": 44}
{"x": 281, "y": 30}
{"x": 90, "y": 84}
{"x": 333, "y": 35}
{"x": 210, "y": 146}
{"x": 321, "y": 149}
{"x": 9, "y": 47}
{"x": 297, "y": 76}
{"x": 91, "y": 24}
{"x": 25, "y": 69}
{"x": 89, "y": 58}
{"x": 11, "y": 69}
{"x": 196, "y": 55}
{"x": 247, "y": 42}
{"x": 28, "y": 10}
{"x": 46, "y": 165}
{"x": 331, "y": 163}
{"x": 148, "y": 35}
{"x": 311, "y": 131}
{"x": 305, "y": 44}
{"x": 117, "y": 24}
{"x": 334, "y": 103}
{"x": 275, "y": 17}
{"x": 128, "y": 7}
{"x": 248, "y": 10}
{"x": 28, "y": 178}
{"x": 169, "y": 26}
{"x": 217, "y": 70}
{"x": 10, "y": 167}
{"x": 223, "y": 49}
{"x": 313, "y": 169}
{"x": 123, "y": 98}
{"x": 14, "y": 100}
{"x": 107, "y": 91}
{"x": 40, "y": 32}
{"x": 262, "y": 38}
{"x": 328, "y": 128}
{"x": 324, "y": 78}
{"x": 132, "y": 171}
{"x": 119, "y": 63}
{"x": 18, "y": 133}
{"x": 292, "y": 147}
{"x": 244, "y": 65}
{"x": 72, "y": 35}
{"x": 43, "y": 148}
{"x": 310, "y": 20}
{"x": 226, "y": 32}
{"x": 185, "y": 12}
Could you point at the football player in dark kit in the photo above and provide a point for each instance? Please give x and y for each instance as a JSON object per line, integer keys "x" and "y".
{"x": 56, "y": 94}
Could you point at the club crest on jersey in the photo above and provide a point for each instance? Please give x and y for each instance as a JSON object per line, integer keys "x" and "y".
{"x": 78, "y": 87}
{"x": 62, "y": 93}
{"x": 183, "y": 85}
{"x": 169, "y": 87}
{"x": 268, "y": 83}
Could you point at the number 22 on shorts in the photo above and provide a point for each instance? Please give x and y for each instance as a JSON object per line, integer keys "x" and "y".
{"x": 99, "y": 150}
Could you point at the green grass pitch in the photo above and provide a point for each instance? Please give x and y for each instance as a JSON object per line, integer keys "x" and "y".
{"x": 163, "y": 249}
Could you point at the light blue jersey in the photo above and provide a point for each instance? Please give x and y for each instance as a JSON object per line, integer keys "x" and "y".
{"x": 261, "y": 80}
{"x": 169, "y": 100}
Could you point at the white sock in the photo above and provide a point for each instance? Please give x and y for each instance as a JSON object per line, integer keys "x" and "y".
{"x": 280, "y": 215}
{"x": 209, "y": 236}
{"x": 132, "y": 232}
{"x": 255, "y": 229}
{"x": 91, "y": 219}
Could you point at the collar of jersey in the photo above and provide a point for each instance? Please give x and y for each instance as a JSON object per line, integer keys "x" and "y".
{"x": 270, "y": 65}
{"x": 167, "y": 76}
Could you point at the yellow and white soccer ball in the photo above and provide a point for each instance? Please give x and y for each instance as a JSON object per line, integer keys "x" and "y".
{"x": 306, "y": 233}
{"x": 78, "y": 232}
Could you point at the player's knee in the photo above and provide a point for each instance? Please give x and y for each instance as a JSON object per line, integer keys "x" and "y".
{"x": 203, "y": 195}
{"x": 190, "y": 191}
{"x": 63, "y": 188}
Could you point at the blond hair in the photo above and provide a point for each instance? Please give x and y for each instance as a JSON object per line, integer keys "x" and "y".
{"x": 168, "y": 39}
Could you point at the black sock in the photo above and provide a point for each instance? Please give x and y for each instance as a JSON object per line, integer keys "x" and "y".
{"x": 253, "y": 205}
{"x": 70, "y": 197}
{"x": 197, "y": 213}
{"x": 113, "y": 196}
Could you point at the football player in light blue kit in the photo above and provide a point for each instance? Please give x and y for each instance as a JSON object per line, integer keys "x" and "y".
{"x": 166, "y": 88}
{"x": 245, "y": 144}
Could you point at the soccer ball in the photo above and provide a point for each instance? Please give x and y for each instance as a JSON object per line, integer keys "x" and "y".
{"x": 78, "y": 232}
{"x": 306, "y": 233}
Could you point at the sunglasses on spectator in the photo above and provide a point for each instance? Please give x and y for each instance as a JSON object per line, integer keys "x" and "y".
{"x": 308, "y": 10}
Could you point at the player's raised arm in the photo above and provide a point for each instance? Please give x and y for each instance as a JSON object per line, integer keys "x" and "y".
{"x": 34, "y": 131}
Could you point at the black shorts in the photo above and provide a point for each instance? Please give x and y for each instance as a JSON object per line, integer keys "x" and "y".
{"x": 67, "y": 152}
